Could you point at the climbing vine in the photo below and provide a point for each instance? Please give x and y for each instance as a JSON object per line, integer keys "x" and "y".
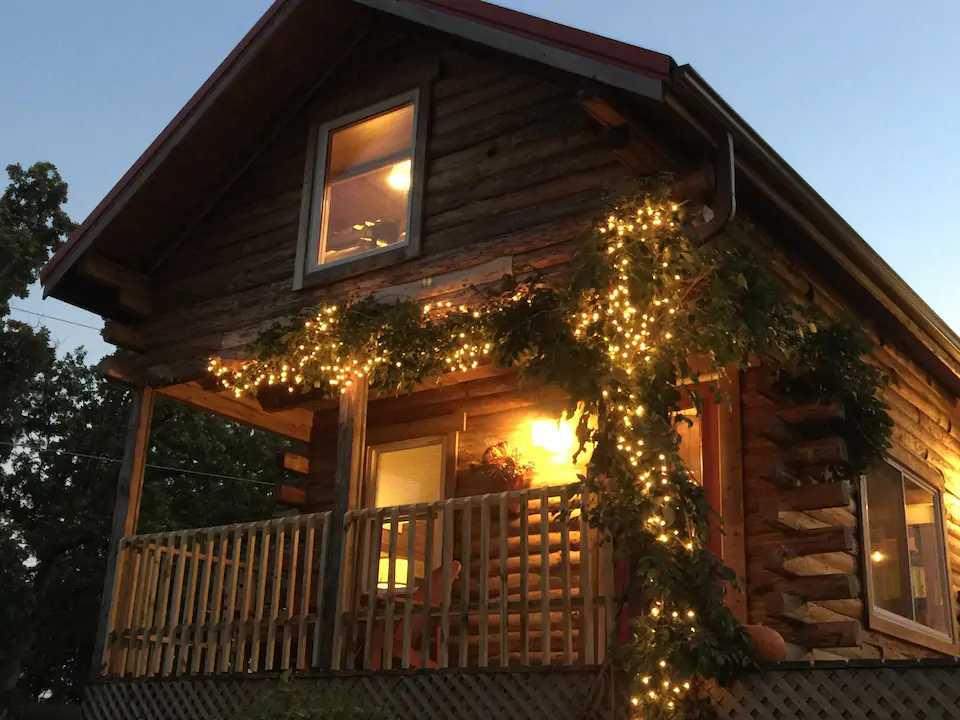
{"x": 651, "y": 310}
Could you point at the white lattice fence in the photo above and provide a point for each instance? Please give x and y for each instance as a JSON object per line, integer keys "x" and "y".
{"x": 557, "y": 694}
{"x": 851, "y": 693}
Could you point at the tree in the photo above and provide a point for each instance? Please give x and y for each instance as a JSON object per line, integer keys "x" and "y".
{"x": 62, "y": 433}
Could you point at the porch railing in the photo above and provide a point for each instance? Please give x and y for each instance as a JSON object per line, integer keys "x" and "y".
{"x": 516, "y": 578}
{"x": 236, "y": 598}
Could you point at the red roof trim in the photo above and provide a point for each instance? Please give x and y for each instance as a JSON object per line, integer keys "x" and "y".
{"x": 579, "y": 42}
{"x": 73, "y": 242}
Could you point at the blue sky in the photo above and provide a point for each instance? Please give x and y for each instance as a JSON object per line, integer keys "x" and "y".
{"x": 859, "y": 96}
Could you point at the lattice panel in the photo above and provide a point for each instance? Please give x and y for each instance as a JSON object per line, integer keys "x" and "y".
{"x": 559, "y": 694}
{"x": 847, "y": 693}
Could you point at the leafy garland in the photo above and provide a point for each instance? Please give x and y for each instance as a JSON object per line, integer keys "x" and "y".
{"x": 648, "y": 297}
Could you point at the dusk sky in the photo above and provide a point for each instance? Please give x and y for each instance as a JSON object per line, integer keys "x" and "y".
{"x": 858, "y": 95}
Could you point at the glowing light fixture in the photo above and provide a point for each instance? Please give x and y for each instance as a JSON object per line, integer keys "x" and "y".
{"x": 401, "y": 569}
{"x": 399, "y": 177}
{"x": 554, "y": 436}
{"x": 877, "y": 557}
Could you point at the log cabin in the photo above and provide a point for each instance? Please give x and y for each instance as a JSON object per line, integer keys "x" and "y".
{"x": 421, "y": 149}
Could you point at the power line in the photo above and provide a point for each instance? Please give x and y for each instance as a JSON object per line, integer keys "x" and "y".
{"x": 51, "y": 317}
{"x": 168, "y": 468}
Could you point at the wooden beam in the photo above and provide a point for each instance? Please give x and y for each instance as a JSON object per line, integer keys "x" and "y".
{"x": 121, "y": 371}
{"x": 292, "y": 423}
{"x": 348, "y": 482}
{"x": 820, "y": 587}
{"x": 296, "y": 463}
{"x": 123, "y": 336}
{"x": 126, "y": 509}
{"x": 134, "y": 288}
{"x": 291, "y": 495}
{"x": 846, "y": 633}
{"x": 816, "y": 497}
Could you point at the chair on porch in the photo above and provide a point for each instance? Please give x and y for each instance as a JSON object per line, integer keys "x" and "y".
{"x": 419, "y": 656}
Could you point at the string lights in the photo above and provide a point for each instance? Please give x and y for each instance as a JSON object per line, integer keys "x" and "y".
{"x": 645, "y": 298}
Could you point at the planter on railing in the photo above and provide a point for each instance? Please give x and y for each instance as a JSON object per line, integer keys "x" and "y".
{"x": 515, "y": 578}
{"x": 229, "y": 599}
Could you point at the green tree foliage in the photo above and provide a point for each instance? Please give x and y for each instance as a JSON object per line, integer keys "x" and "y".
{"x": 62, "y": 432}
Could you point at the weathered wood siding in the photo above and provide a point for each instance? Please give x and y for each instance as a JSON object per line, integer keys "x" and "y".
{"x": 925, "y": 440}
{"x": 515, "y": 167}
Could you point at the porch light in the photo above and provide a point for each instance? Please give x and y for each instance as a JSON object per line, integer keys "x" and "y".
{"x": 401, "y": 569}
{"x": 399, "y": 177}
{"x": 554, "y": 436}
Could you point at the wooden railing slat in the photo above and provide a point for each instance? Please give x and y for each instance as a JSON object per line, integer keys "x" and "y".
{"x": 565, "y": 576}
{"x": 466, "y": 556}
{"x": 261, "y": 600}
{"x": 243, "y": 622}
{"x": 321, "y": 569}
{"x": 271, "y": 646}
{"x": 484, "y": 579}
{"x": 170, "y": 648}
{"x": 372, "y": 569}
{"x": 391, "y": 588}
{"x": 448, "y": 517}
{"x": 408, "y": 598}
{"x": 305, "y": 586}
{"x": 430, "y": 551}
{"x": 504, "y": 657}
{"x": 544, "y": 576}
{"x": 288, "y": 627}
{"x": 524, "y": 581}
{"x": 189, "y": 606}
{"x": 586, "y": 585}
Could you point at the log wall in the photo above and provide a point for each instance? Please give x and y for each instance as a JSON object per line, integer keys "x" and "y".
{"x": 515, "y": 169}
{"x": 805, "y": 574}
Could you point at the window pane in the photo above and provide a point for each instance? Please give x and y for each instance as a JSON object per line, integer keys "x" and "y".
{"x": 925, "y": 552}
{"x": 890, "y": 565}
{"x": 366, "y": 198}
{"x": 409, "y": 476}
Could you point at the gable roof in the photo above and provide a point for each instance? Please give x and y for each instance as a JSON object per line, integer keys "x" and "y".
{"x": 198, "y": 149}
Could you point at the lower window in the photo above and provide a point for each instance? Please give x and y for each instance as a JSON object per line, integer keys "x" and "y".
{"x": 407, "y": 473}
{"x": 906, "y": 561}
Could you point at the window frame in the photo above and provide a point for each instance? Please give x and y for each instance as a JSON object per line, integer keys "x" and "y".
{"x": 308, "y": 271}
{"x": 890, "y": 623}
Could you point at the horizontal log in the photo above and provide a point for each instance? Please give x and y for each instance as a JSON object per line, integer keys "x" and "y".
{"x": 296, "y": 463}
{"x": 782, "y": 604}
{"x": 812, "y": 413}
{"x": 815, "y": 453}
{"x": 823, "y": 540}
{"x": 817, "y": 496}
{"x": 820, "y": 587}
{"x": 534, "y": 562}
{"x": 290, "y": 495}
{"x": 124, "y": 336}
{"x": 844, "y": 633}
{"x": 784, "y": 561}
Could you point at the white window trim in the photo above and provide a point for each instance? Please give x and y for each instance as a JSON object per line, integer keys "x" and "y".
{"x": 374, "y": 451}
{"x": 889, "y": 622}
{"x": 308, "y": 270}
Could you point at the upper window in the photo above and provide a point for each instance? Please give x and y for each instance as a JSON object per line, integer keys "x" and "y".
{"x": 907, "y": 568}
{"x": 364, "y": 182}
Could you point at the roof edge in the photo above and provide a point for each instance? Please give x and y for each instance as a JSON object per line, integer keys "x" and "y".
{"x": 840, "y": 239}
{"x": 55, "y": 268}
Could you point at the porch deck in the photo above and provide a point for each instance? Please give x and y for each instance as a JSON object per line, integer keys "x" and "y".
{"x": 501, "y": 580}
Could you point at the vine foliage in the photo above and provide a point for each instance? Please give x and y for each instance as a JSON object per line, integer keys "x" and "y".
{"x": 650, "y": 311}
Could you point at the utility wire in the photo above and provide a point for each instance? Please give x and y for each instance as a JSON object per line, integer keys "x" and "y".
{"x": 168, "y": 468}
{"x": 51, "y": 317}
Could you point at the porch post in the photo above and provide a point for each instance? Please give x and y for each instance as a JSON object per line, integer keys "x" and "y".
{"x": 348, "y": 481}
{"x": 126, "y": 510}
